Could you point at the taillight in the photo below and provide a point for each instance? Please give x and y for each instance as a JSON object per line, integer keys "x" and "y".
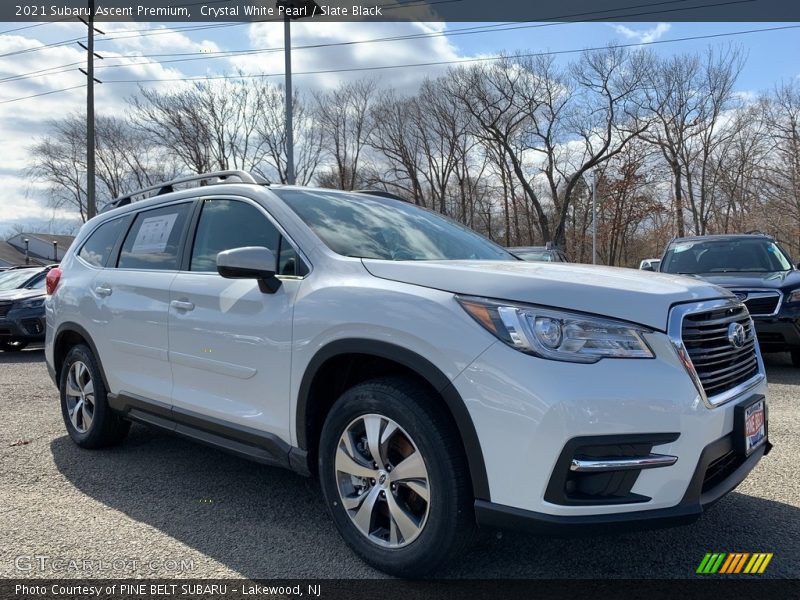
{"x": 52, "y": 280}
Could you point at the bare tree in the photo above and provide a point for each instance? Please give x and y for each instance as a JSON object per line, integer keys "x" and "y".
{"x": 782, "y": 170}
{"x": 209, "y": 126}
{"x": 560, "y": 121}
{"x": 343, "y": 117}
{"x": 271, "y": 127}
{"x": 688, "y": 96}
{"x": 125, "y": 161}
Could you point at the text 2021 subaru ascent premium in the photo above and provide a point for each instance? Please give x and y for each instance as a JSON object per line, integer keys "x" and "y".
{"x": 427, "y": 377}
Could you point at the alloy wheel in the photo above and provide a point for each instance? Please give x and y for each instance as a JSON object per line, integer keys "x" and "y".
{"x": 382, "y": 480}
{"x": 80, "y": 397}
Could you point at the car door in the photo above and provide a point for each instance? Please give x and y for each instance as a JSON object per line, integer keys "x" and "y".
{"x": 230, "y": 343}
{"x": 134, "y": 303}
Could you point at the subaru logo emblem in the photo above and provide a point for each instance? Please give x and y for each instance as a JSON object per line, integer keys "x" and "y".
{"x": 741, "y": 295}
{"x": 736, "y": 335}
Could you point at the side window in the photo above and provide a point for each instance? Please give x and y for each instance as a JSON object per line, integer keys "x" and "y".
{"x": 226, "y": 224}
{"x": 153, "y": 241}
{"x": 289, "y": 262}
{"x": 98, "y": 247}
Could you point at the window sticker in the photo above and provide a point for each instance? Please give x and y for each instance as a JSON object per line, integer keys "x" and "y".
{"x": 153, "y": 234}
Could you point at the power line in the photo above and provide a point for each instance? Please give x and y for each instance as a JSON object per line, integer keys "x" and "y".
{"x": 463, "y": 60}
{"x": 507, "y": 26}
{"x": 74, "y": 87}
{"x": 7, "y": 31}
{"x": 431, "y": 63}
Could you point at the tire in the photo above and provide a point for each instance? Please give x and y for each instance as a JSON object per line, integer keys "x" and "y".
{"x": 13, "y": 346}
{"x": 88, "y": 418}
{"x": 420, "y": 536}
{"x": 796, "y": 358}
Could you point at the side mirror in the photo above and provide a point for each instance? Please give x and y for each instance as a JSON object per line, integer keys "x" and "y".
{"x": 647, "y": 268}
{"x": 251, "y": 262}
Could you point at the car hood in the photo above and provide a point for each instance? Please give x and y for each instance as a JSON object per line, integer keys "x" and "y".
{"x": 778, "y": 280}
{"x": 21, "y": 294}
{"x": 637, "y": 296}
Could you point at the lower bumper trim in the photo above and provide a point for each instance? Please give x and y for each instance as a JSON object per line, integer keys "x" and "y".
{"x": 694, "y": 502}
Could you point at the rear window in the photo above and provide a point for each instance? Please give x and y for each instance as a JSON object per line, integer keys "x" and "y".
{"x": 154, "y": 239}
{"x": 101, "y": 242}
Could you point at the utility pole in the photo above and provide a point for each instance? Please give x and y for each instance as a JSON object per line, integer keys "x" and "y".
{"x": 287, "y": 51}
{"x": 594, "y": 217}
{"x": 91, "y": 201}
{"x": 292, "y": 10}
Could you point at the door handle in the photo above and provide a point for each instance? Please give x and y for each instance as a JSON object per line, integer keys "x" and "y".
{"x": 102, "y": 291}
{"x": 182, "y": 305}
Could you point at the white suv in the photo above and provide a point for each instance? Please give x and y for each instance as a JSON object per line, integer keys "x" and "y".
{"x": 430, "y": 379}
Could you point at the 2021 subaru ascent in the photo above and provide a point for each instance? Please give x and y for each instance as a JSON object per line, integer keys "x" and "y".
{"x": 430, "y": 379}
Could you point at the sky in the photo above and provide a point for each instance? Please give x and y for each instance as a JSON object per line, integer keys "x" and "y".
{"x": 771, "y": 59}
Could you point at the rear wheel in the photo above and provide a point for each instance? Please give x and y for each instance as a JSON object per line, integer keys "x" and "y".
{"x": 89, "y": 420}
{"x": 395, "y": 477}
{"x": 13, "y": 346}
{"x": 796, "y": 358}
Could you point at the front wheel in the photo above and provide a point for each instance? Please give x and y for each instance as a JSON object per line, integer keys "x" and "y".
{"x": 13, "y": 346}
{"x": 395, "y": 477}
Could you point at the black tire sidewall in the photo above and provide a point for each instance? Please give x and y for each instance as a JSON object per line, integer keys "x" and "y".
{"x": 95, "y": 436}
{"x": 445, "y": 516}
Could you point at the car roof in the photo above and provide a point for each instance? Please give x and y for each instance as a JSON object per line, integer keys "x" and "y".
{"x": 723, "y": 236}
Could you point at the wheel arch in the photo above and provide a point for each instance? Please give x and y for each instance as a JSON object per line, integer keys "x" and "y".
{"x": 308, "y": 418}
{"x": 68, "y": 335}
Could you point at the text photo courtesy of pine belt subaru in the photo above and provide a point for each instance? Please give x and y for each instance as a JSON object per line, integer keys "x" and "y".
{"x": 432, "y": 381}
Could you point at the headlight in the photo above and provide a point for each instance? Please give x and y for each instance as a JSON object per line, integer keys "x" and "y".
{"x": 794, "y": 296}
{"x": 556, "y": 334}
{"x": 33, "y": 303}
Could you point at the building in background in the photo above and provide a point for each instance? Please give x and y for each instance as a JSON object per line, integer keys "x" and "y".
{"x": 35, "y": 249}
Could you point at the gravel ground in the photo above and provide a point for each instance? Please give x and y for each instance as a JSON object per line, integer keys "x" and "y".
{"x": 162, "y": 506}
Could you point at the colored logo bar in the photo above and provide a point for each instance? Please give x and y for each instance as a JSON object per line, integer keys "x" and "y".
{"x": 734, "y": 563}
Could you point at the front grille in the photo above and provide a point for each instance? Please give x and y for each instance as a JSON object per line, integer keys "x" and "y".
{"x": 719, "y": 364}
{"x": 4, "y": 308}
{"x": 761, "y": 303}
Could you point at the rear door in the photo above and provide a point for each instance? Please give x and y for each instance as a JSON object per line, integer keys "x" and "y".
{"x": 134, "y": 300}
{"x": 230, "y": 343}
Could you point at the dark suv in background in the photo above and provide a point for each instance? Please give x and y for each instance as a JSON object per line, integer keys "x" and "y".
{"x": 22, "y": 294}
{"x": 758, "y": 271}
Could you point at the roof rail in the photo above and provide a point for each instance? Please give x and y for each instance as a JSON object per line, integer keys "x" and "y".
{"x": 758, "y": 232}
{"x": 383, "y": 194}
{"x": 169, "y": 186}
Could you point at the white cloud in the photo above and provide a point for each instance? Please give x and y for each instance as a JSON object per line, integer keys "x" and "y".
{"x": 643, "y": 36}
{"x": 358, "y": 56}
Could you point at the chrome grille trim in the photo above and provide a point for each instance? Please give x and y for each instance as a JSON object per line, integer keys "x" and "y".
{"x": 699, "y": 362}
{"x": 751, "y": 294}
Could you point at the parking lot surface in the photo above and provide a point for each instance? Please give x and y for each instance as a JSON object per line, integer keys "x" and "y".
{"x": 161, "y": 506}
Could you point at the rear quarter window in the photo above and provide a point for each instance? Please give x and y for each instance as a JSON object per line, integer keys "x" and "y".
{"x": 100, "y": 243}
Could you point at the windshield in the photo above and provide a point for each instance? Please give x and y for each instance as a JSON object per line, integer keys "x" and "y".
{"x": 364, "y": 226}
{"x": 11, "y": 280}
{"x": 725, "y": 256}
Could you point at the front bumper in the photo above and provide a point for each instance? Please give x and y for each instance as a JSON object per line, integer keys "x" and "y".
{"x": 780, "y": 333}
{"x": 527, "y": 410}
{"x": 698, "y": 497}
{"x": 23, "y": 324}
